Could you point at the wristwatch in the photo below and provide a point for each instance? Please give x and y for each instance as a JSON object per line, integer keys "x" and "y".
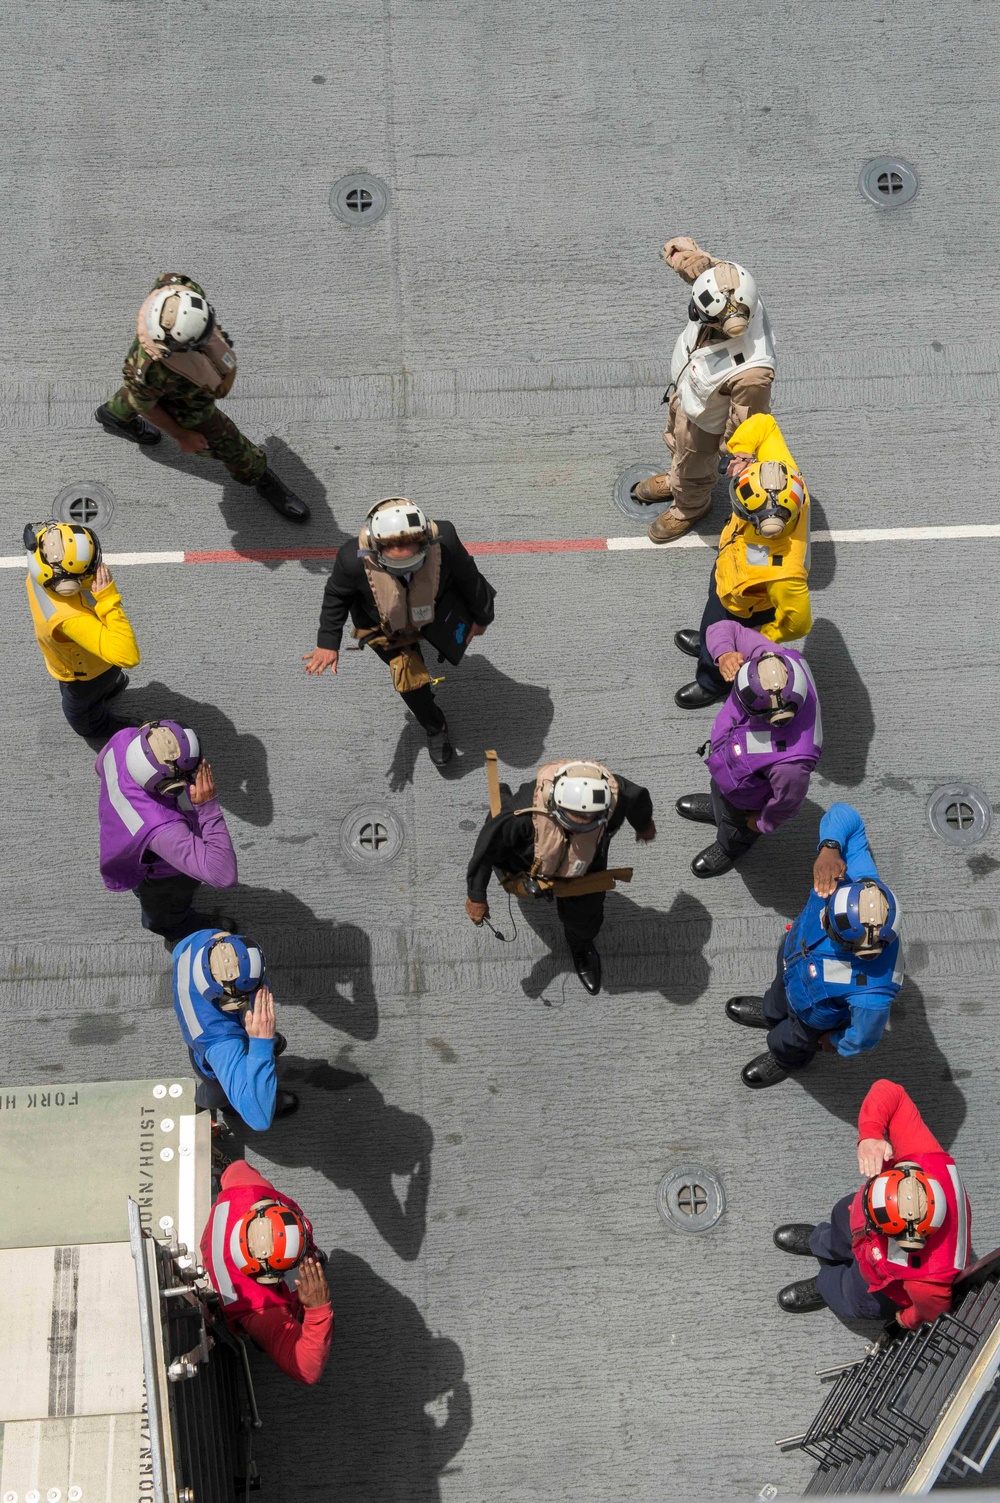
{"x": 833, "y": 845}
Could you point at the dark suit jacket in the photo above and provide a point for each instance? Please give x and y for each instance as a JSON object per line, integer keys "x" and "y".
{"x": 348, "y": 592}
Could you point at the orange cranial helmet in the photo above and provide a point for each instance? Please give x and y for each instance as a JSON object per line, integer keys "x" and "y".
{"x": 268, "y": 1241}
{"x": 905, "y": 1203}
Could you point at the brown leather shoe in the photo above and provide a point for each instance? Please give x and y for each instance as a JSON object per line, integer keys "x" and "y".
{"x": 666, "y": 528}
{"x": 653, "y": 489}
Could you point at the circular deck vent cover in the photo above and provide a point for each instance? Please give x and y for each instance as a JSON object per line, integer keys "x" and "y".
{"x": 359, "y": 199}
{"x": 888, "y": 182}
{"x": 371, "y": 835}
{"x": 88, "y": 502}
{"x": 690, "y": 1198}
{"x": 959, "y": 813}
{"x": 643, "y": 511}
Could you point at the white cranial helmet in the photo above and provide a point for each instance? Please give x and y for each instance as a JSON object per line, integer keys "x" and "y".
{"x": 581, "y": 788}
{"x": 397, "y": 520}
{"x": 725, "y": 295}
{"x": 179, "y": 317}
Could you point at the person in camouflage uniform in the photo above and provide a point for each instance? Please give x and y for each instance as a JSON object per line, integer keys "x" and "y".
{"x": 179, "y": 363}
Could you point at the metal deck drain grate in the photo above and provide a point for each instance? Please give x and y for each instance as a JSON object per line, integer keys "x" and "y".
{"x": 959, "y": 813}
{"x": 888, "y": 182}
{"x": 371, "y": 835}
{"x": 643, "y": 511}
{"x": 691, "y": 1198}
{"x": 359, "y": 199}
{"x": 87, "y": 502}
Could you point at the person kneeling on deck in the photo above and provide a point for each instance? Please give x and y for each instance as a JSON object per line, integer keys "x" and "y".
{"x": 253, "y": 1242}
{"x": 226, "y": 1014}
{"x": 554, "y": 843}
{"x": 897, "y": 1246}
{"x": 839, "y": 965}
{"x": 765, "y": 742}
{"x": 760, "y": 576}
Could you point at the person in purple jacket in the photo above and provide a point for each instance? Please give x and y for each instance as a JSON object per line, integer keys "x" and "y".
{"x": 162, "y": 831}
{"x": 766, "y": 740}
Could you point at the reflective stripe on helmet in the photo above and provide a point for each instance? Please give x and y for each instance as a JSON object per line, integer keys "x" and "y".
{"x": 962, "y": 1234}
{"x": 140, "y": 767}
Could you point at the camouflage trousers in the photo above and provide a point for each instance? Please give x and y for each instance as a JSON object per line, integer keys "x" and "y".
{"x": 246, "y": 462}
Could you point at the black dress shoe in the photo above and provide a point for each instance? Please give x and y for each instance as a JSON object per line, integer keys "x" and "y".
{"x": 696, "y": 806}
{"x": 136, "y": 430}
{"x": 763, "y": 1071}
{"x": 694, "y": 697}
{"x": 285, "y": 1103}
{"x": 689, "y": 642}
{"x": 280, "y": 1043}
{"x": 120, "y": 687}
{"x": 747, "y": 1010}
{"x": 794, "y": 1238}
{"x": 800, "y": 1298}
{"x": 439, "y": 746}
{"x": 588, "y": 968}
{"x": 277, "y": 494}
{"x": 712, "y": 861}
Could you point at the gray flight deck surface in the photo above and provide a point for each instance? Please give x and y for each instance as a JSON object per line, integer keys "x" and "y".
{"x": 479, "y": 1142}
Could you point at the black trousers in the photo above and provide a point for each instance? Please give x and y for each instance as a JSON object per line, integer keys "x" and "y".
{"x": 707, "y": 674}
{"x": 420, "y": 701}
{"x": 209, "y": 1093}
{"x": 731, "y": 825}
{"x": 792, "y": 1042}
{"x": 84, "y": 702}
{"x": 166, "y": 906}
{"x": 840, "y": 1280}
{"x": 581, "y": 918}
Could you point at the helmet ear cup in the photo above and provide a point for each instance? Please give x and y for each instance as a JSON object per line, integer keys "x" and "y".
{"x": 735, "y": 324}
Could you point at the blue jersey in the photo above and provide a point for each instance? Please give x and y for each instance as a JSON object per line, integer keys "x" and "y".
{"x": 828, "y": 986}
{"x": 222, "y": 1048}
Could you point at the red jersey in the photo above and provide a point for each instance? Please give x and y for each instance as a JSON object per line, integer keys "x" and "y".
{"x": 296, "y": 1339}
{"x": 919, "y": 1282}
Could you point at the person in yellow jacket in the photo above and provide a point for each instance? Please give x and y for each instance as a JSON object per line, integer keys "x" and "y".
{"x": 761, "y": 574}
{"x": 85, "y": 635}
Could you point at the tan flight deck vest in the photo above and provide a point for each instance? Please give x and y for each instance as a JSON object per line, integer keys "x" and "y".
{"x": 212, "y": 367}
{"x": 403, "y": 608}
{"x": 559, "y": 854}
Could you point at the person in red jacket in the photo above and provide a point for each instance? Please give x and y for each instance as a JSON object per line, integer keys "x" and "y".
{"x": 253, "y": 1242}
{"x": 896, "y": 1247}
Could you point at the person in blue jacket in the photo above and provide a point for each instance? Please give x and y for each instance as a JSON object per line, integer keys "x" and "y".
{"x": 839, "y": 966}
{"x": 226, "y": 1013}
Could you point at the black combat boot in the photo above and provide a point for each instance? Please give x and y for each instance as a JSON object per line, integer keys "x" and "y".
{"x": 136, "y": 430}
{"x": 277, "y": 494}
{"x": 587, "y": 964}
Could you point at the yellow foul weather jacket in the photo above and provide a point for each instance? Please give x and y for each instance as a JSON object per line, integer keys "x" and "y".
{"x": 753, "y": 573}
{"x": 83, "y": 635}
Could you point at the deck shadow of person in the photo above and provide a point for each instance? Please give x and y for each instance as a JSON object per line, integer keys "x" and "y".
{"x": 777, "y": 870}
{"x": 484, "y": 708}
{"x": 253, "y": 523}
{"x": 239, "y": 760}
{"x": 907, "y": 1053}
{"x": 393, "y": 1398}
{"x": 313, "y": 963}
{"x": 347, "y": 1131}
{"x": 642, "y": 949}
{"x": 823, "y": 556}
{"x": 848, "y": 717}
